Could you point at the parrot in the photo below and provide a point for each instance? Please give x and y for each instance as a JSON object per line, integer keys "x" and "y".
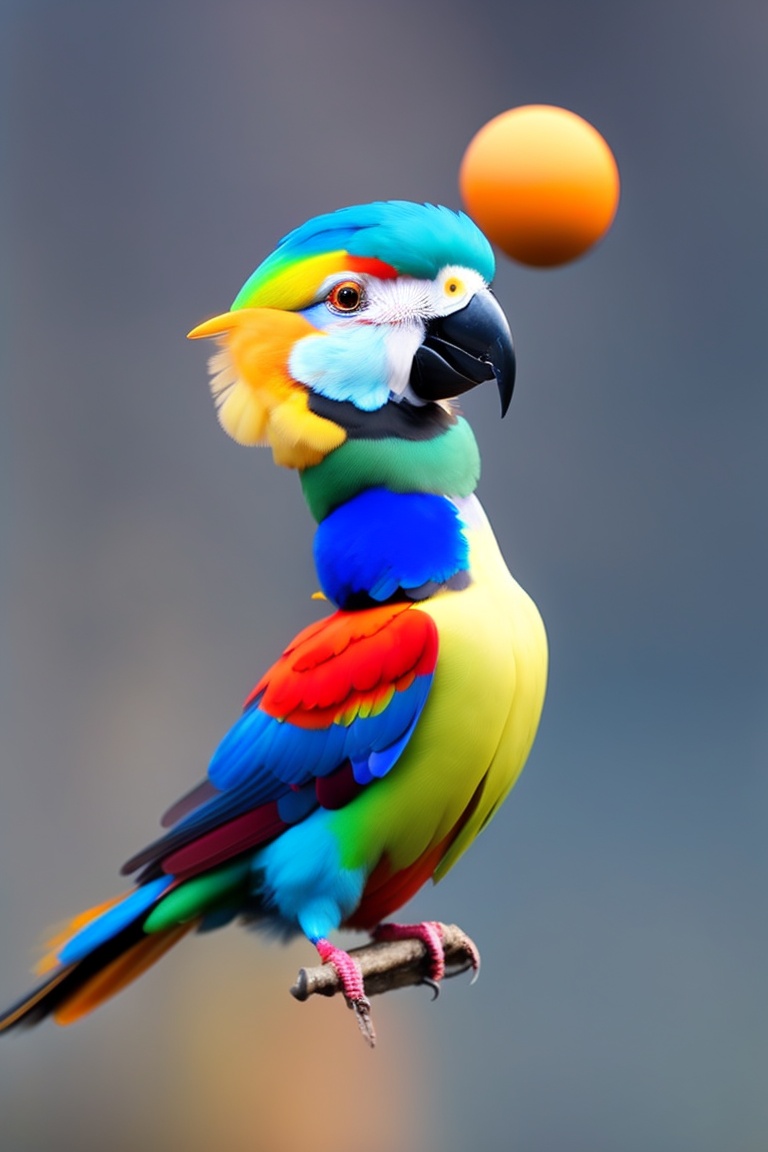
{"x": 383, "y": 739}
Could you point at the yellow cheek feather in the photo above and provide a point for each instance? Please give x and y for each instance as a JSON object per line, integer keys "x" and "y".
{"x": 257, "y": 400}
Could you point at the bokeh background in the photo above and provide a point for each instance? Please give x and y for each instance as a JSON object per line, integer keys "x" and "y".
{"x": 152, "y": 153}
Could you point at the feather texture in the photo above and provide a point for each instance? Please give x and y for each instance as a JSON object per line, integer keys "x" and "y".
{"x": 410, "y": 239}
{"x": 344, "y": 696}
{"x": 380, "y": 543}
{"x": 385, "y": 736}
{"x": 257, "y": 404}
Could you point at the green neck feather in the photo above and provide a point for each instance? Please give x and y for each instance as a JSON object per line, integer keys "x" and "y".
{"x": 448, "y": 464}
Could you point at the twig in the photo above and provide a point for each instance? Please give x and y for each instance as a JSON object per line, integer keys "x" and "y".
{"x": 389, "y": 965}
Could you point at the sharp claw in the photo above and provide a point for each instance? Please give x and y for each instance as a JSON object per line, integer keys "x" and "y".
{"x": 470, "y": 966}
{"x": 458, "y": 971}
{"x": 433, "y": 984}
{"x": 473, "y": 958}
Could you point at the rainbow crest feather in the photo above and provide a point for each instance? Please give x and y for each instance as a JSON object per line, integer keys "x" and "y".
{"x": 387, "y": 238}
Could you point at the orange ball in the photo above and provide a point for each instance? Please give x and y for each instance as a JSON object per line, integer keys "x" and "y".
{"x": 541, "y": 182}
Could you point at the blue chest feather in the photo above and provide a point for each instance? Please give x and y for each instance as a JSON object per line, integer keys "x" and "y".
{"x": 382, "y": 542}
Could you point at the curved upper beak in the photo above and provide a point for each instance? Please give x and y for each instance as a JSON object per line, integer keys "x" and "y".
{"x": 465, "y": 349}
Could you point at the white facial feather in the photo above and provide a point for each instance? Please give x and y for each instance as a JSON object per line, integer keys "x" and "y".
{"x": 405, "y": 299}
{"x": 404, "y": 304}
{"x": 403, "y": 340}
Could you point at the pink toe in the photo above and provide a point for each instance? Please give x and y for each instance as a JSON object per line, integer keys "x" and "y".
{"x": 430, "y": 933}
{"x": 348, "y": 969}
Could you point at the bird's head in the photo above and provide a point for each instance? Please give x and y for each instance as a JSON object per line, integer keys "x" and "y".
{"x": 359, "y": 318}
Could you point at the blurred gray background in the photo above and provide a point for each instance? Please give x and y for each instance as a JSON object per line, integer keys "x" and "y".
{"x": 152, "y": 154}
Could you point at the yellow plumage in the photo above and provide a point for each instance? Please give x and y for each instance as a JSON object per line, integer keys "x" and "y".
{"x": 257, "y": 401}
{"x": 477, "y": 726}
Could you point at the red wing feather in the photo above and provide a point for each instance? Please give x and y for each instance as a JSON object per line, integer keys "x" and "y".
{"x": 348, "y": 662}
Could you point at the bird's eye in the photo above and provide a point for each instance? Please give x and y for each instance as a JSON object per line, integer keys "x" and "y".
{"x": 454, "y": 287}
{"x": 346, "y": 297}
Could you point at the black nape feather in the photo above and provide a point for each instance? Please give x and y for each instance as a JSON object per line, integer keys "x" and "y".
{"x": 399, "y": 420}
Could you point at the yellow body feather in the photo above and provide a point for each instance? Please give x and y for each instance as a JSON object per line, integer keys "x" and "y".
{"x": 477, "y": 726}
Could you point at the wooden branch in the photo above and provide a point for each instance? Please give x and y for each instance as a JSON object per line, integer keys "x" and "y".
{"x": 389, "y": 965}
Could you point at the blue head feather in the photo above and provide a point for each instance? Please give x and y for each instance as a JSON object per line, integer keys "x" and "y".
{"x": 416, "y": 239}
{"x": 413, "y": 239}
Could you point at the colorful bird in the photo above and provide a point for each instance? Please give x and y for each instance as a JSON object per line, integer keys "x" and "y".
{"x": 386, "y": 736}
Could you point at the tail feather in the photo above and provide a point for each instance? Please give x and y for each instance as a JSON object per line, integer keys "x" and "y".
{"x": 35, "y": 1005}
{"x": 118, "y": 974}
{"x": 50, "y": 961}
{"x": 74, "y": 990}
{"x": 106, "y": 948}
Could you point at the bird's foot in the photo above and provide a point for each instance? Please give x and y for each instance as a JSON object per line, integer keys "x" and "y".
{"x": 430, "y": 933}
{"x": 351, "y": 979}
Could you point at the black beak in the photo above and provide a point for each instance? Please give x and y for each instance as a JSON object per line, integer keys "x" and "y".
{"x": 465, "y": 349}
